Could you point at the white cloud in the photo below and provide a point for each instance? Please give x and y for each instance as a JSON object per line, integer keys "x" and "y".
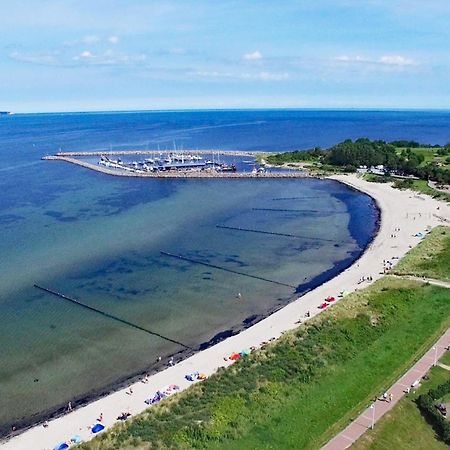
{"x": 387, "y": 60}
{"x": 273, "y": 76}
{"x": 396, "y": 60}
{"x": 262, "y": 76}
{"x": 48, "y": 59}
{"x": 254, "y": 56}
{"x": 113, "y": 39}
{"x": 85, "y": 54}
{"x": 84, "y": 58}
{"x": 92, "y": 39}
{"x": 109, "y": 58}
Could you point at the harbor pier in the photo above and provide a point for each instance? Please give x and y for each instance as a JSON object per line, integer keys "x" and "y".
{"x": 180, "y": 170}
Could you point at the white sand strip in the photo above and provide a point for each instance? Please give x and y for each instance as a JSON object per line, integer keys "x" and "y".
{"x": 406, "y": 210}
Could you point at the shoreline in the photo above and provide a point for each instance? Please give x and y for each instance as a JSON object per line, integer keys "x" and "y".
{"x": 259, "y": 329}
{"x": 220, "y": 335}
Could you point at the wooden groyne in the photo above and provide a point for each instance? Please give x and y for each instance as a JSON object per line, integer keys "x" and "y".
{"x": 213, "y": 266}
{"x": 169, "y": 173}
{"x": 273, "y": 233}
{"x": 109, "y": 316}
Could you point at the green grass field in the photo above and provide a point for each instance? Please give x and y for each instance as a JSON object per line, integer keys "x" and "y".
{"x": 416, "y": 185}
{"x": 300, "y": 391}
{"x": 431, "y": 258}
{"x": 403, "y": 427}
{"x": 429, "y": 155}
{"x": 422, "y": 187}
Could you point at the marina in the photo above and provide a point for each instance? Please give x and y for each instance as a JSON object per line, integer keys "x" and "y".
{"x": 170, "y": 164}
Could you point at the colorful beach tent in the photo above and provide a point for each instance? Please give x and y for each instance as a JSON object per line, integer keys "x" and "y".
{"x": 61, "y": 446}
{"x": 97, "y": 427}
{"x": 245, "y": 352}
{"x": 235, "y": 356}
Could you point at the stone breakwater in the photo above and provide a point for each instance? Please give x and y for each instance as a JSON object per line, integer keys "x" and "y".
{"x": 164, "y": 152}
{"x": 169, "y": 174}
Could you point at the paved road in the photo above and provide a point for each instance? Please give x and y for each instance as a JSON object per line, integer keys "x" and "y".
{"x": 372, "y": 414}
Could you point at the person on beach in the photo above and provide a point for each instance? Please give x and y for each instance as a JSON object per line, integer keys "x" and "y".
{"x": 100, "y": 417}
{"x": 69, "y": 406}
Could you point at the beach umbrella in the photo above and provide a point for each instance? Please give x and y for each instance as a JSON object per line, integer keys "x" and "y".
{"x": 76, "y": 439}
{"x": 61, "y": 446}
{"x": 245, "y": 352}
{"x": 97, "y": 427}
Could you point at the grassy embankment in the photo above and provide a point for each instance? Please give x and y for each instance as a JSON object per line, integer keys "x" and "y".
{"x": 431, "y": 258}
{"x": 298, "y": 392}
{"x": 404, "y": 427}
{"x": 415, "y": 185}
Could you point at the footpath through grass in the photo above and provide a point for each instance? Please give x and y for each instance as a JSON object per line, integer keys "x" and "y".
{"x": 300, "y": 391}
{"x": 431, "y": 258}
{"x": 404, "y": 427}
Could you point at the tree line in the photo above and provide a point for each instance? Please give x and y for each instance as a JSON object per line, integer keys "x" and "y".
{"x": 350, "y": 155}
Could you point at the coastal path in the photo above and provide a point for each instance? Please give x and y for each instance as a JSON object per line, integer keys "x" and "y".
{"x": 440, "y": 283}
{"x": 370, "y": 416}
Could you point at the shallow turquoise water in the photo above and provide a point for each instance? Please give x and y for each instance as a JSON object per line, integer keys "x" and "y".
{"x": 99, "y": 239}
{"x": 98, "y": 244}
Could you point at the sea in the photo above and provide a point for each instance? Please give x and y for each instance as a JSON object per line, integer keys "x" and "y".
{"x": 188, "y": 261}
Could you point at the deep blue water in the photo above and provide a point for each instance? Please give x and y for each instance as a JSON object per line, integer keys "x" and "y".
{"x": 99, "y": 239}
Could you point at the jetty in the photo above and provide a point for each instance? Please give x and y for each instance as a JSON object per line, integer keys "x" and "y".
{"x": 76, "y": 158}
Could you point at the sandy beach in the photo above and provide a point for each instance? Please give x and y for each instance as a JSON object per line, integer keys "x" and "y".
{"x": 403, "y": 214}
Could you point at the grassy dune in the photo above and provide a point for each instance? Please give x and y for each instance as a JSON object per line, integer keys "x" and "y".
{"x": 298, "y": 392}
{"x": 431, "y": 258}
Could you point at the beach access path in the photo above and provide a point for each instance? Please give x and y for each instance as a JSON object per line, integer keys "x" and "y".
{"x": 403, "y": 214}
{"x": 368, "y": 418}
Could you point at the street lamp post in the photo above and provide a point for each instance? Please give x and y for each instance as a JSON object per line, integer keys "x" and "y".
{"x": 372, "y": 407}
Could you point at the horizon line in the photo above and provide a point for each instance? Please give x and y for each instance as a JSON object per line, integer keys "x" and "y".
{"x": 106, "y": 111}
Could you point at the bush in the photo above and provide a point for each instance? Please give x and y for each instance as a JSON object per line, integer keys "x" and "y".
{"x": 426, "y": 404}
{"x": 403, "y": 184}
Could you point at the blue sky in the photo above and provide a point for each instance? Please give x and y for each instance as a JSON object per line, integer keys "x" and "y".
{"x": 72, "y": 55}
